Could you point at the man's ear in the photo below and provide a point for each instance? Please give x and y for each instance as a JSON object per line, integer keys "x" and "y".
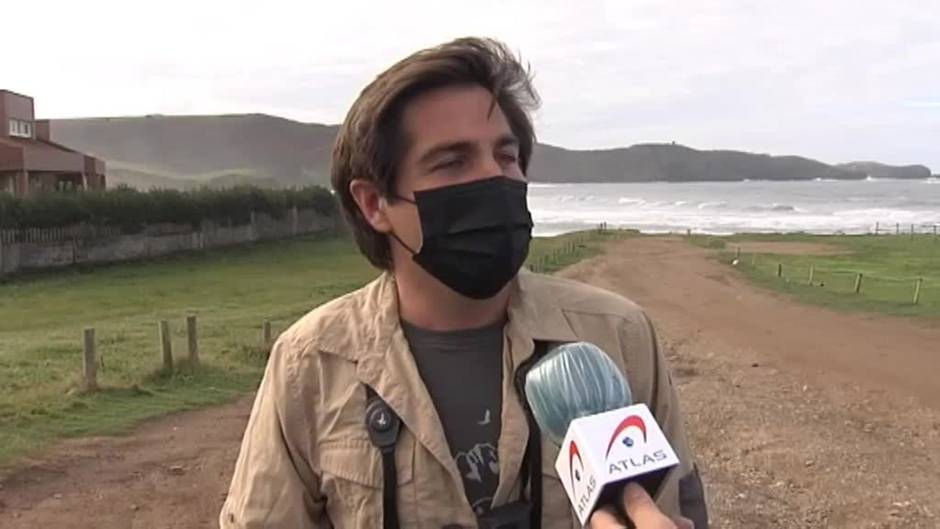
{"x": 371, "y": 204}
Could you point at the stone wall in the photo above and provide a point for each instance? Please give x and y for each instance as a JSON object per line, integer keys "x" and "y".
{"x": 43, "y": 249}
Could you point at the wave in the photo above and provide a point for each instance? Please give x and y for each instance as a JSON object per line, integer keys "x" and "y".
{"x": 774, "y": 207}
{"x": 575, "y": 198}
{"x": 821, "y": 179}
{"x": 928, "y": 180}
{"x": 631, "y": 201}
{"x": 717, "y": 204}
{"x": 546, "y": 186}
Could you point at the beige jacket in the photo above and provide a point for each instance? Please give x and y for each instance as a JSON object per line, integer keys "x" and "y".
{"x": 306, "y": 460}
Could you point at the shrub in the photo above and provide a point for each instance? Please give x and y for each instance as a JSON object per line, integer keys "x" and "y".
{"x": 132, "y": 209}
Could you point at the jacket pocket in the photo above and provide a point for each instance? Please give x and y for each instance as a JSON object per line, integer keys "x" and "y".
{"x": 352, "y": 481}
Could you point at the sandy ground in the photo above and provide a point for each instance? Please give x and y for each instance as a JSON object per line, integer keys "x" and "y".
{"x": 800, "y": 416}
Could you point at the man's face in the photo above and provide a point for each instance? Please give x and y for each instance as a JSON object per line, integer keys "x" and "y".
{"x": 453, "y": 135}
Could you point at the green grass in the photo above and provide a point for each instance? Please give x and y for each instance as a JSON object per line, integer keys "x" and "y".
{"x": 42, "y": 317}
{"x": 232, "y": 291}
{"x": 711, "y": 242}
{"x": 549, "y": 255}
{"x": 889, "y": 265}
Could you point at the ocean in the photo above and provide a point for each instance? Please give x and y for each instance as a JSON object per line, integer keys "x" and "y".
{"x": 734, "y": 207}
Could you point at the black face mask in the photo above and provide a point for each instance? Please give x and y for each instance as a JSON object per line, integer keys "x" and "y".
{"x": 476, "y": 235}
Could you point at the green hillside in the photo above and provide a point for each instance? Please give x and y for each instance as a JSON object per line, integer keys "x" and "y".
{"x": 187, "y": 151}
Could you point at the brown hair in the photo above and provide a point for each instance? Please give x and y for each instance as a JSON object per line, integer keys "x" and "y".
{"x": 370, "y": 144}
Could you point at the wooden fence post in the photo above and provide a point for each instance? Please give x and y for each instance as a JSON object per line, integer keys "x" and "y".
{"x": 812, "y": 273}
{"x": 917, "y": 285}
{"x": 166, "y": 345}
{"x": 779, "y": 269}
{"x": 266, "y": 332}
{"x": 912, "y": 232}
{"x": 90, "y": 371}
{"x": 193, "y": 339}
{"x": 858, "y": 283}
{"x": 737, "y": 253}
{"x": 876, "y": 228}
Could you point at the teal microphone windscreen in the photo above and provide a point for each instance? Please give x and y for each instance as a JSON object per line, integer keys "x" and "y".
{"x": 573, "y": 380}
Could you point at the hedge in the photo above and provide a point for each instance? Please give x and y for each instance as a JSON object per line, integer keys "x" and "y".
{"x": 132, "y": 209}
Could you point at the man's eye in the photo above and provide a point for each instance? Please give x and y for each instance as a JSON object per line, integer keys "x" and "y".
{"x": 509, "y": 157}
{"x": 450, "y": 163}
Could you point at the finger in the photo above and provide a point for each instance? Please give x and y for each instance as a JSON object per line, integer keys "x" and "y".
{"x": 683, "y": 523}
{"x": 606, "y": 518}
{"x": 641, "y": 509}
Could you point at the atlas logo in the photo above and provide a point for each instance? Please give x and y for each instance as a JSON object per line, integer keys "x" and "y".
{"x": 631, "y": 421}
{"x": 574, "y": 474}
{"x": 638, "y": 459}
{"x": 576, "y": 477}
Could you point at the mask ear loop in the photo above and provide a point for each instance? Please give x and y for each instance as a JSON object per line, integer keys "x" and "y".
{"x": 395, "y": 235}
{"x": 401, "y": 242}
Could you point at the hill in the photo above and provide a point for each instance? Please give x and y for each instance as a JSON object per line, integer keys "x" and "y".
{"x": 676, "y": 163}
{"x": 880, "y": 170}
{"x": 182, "y": 151}
{"x": 187, "y": 151}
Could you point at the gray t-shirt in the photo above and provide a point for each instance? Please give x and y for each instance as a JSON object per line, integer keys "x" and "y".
{"x": 463, "y": 371}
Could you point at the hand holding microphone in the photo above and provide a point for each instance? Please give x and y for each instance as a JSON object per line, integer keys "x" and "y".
{"x": 642, "y": 511}
{"x": 582, "y": 402}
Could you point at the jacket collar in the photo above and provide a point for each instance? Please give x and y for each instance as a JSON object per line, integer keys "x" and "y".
{"x": 364, "y": 327}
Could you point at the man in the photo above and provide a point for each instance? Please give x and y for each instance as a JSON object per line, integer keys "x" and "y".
{"x": 430, "y": 170}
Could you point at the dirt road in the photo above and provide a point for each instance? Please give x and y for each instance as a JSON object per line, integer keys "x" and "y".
{"x": 800, "y": 416}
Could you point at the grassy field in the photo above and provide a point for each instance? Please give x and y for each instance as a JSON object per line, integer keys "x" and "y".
{"x": 232, "y": 291}
{"x": 890, "y": 266}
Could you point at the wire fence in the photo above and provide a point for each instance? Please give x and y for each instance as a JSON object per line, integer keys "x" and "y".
{"x": 92, "y": 362}
{"x": 910, "y": 230}
{"x": 571, "y": 248}
{"x": 874, "y": 287}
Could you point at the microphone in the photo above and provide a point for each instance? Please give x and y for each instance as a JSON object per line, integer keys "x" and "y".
{"x": 583, "y": 404}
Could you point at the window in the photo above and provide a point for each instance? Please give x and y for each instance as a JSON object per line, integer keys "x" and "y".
{"x": 23, "y": 129}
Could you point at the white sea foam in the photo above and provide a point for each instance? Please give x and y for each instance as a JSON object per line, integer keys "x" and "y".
{"x": 773, "y": 207}
{"x": 728, "y": 207}
{"x": 630, "y": 201}
{"x": 716, "y": 204}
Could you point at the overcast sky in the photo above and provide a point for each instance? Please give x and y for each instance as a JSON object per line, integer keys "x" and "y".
{"x": 836, "y": 80}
